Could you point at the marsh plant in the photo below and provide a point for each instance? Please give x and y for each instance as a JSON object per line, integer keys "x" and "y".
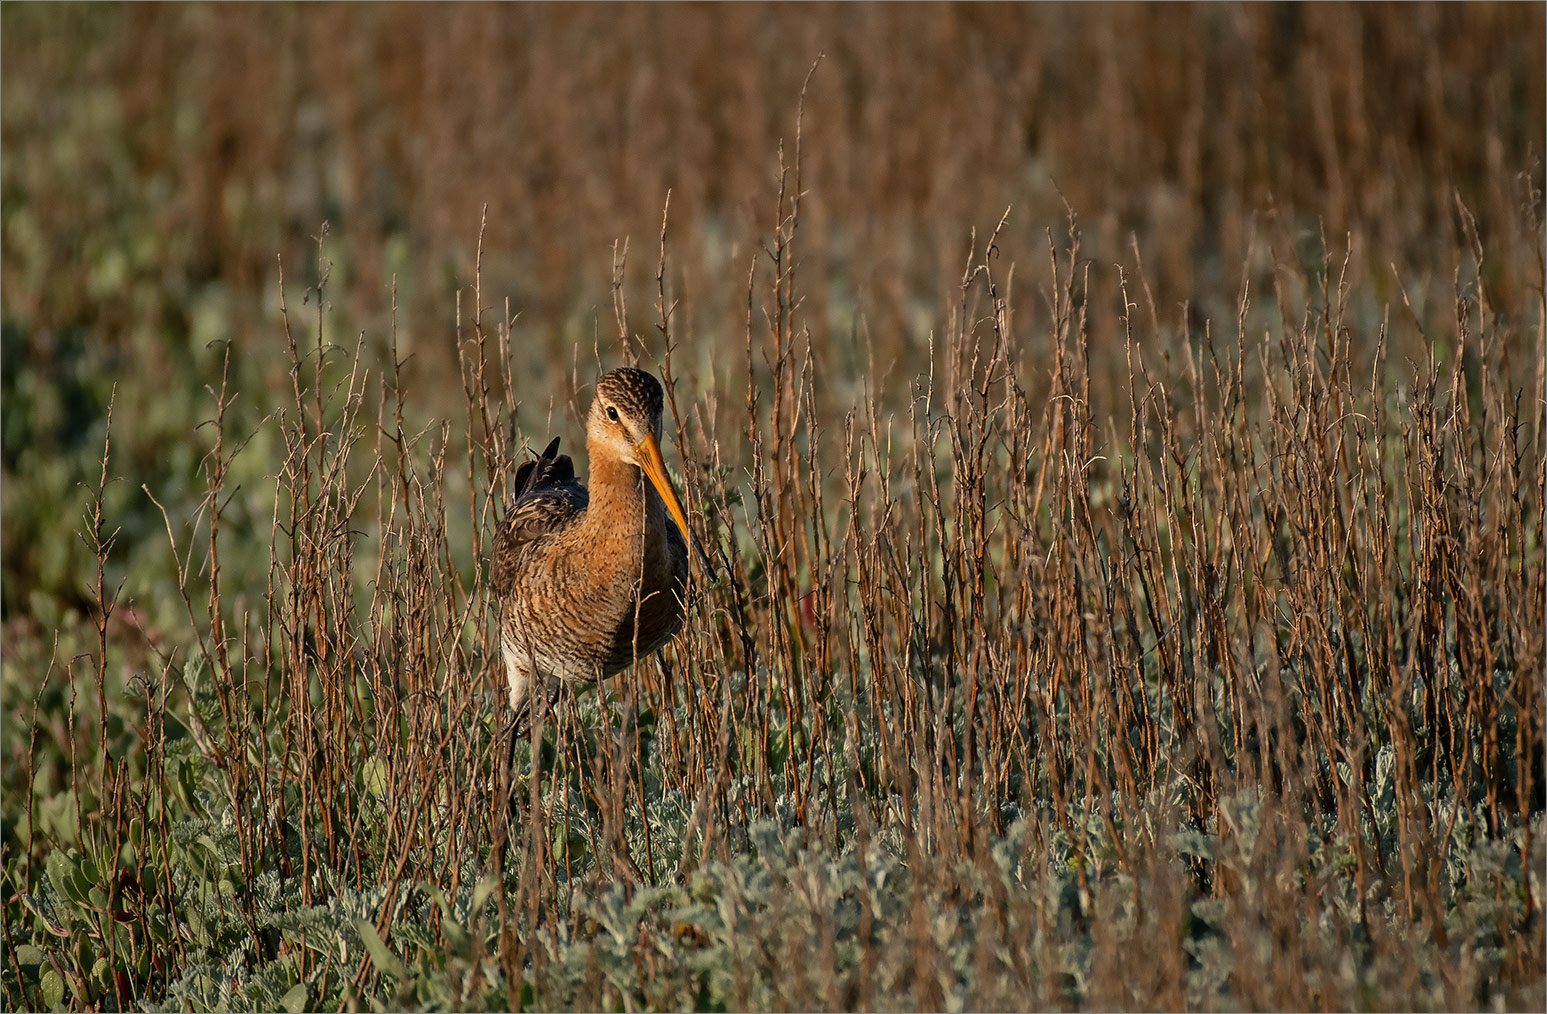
{"x": 1225, "y": 693}
{"x": 1081, "y": 650}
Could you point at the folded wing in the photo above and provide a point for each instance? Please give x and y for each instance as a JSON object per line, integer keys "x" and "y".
{"x": 548, "y": 500}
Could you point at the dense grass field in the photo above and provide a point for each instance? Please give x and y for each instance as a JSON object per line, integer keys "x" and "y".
{"x": 1119, "y": 432}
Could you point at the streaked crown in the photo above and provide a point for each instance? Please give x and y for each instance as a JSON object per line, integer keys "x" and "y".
{"x": 634, "y": 393}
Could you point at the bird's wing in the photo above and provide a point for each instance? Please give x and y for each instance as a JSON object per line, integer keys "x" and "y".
{"x": 548, "y": 469}
{"x": 548, "y": 500}
{"x": 676, "y": 546}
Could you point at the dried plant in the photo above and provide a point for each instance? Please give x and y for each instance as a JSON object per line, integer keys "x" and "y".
{"x": 1098, "y": 653}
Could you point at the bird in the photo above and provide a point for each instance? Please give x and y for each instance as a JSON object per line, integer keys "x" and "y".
{"x": 590, "y": 580}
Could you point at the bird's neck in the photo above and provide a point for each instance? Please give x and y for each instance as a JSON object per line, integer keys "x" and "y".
{"x": 622, "y": 499}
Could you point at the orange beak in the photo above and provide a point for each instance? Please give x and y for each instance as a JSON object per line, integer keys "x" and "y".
{"x": 648, "y": 451}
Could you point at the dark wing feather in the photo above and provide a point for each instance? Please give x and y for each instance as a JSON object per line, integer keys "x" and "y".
{"x": 549, "y": 469}
{"x": 548, "y": 499}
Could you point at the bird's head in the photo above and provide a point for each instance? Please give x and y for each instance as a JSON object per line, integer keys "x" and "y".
{"x": 625, "y": 417}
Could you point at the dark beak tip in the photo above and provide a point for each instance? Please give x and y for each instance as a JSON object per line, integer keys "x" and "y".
{"x": 705, "y": 563}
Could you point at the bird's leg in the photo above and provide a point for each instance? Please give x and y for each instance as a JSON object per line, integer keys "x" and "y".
{"x": 508, "y": 778}
{"x": 505, "y": 786}
{"x": 526, "y": 715}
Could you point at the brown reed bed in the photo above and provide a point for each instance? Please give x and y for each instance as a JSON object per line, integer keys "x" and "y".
{"x": 1101, "y": 625}
{"x": 1223, "y": 693}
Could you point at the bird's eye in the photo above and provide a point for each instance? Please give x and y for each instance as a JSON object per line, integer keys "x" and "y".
{"x": 612, "y": 413}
